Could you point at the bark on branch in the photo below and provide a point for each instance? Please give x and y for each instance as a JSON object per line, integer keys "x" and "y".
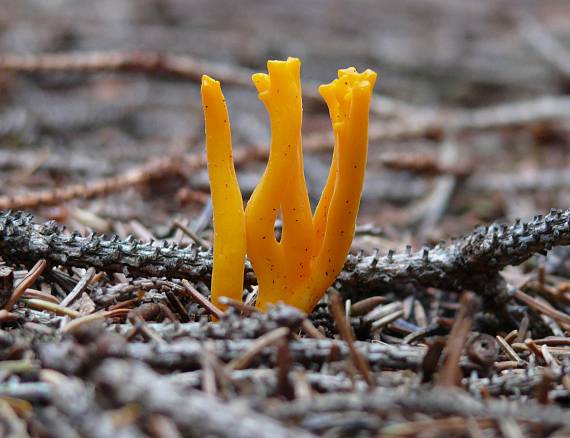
{"x": 468, "y": 262}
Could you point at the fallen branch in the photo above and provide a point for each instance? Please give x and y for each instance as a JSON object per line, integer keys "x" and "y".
{"x": 433, "y": 402}
{"x": 180, "y": 66}
{"x": 416, "y": 125}
{"x": 154, "y": 169}
{"x": 194, "y": 413}
{"x": 185, "y": 67}
{"x": 471, "y": 262}
{"x": 186, "y": 355}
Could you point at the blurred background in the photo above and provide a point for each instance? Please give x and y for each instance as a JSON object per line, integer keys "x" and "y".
{"x": 470, "y": 122}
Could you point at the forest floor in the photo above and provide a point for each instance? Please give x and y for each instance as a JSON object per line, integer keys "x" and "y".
{"x": 105, "y": 327}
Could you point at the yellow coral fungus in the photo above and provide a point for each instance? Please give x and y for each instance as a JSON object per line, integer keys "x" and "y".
{"x": 229, "y": 219}
{"x": 303, "y": 264}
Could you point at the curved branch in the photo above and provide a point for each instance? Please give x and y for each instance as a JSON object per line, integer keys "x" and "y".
{"x": 467, "y": 262}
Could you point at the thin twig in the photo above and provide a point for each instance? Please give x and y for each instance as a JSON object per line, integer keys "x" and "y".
{"x": 190, "y": 233}
{"x": 264, "y": 341}
{"x": 508, "y": 349}
{"x": 181, "y": 66}
{"x": 87, "y": 319}
{"x": 346, "y": 334}
{"x": 154, "y": 169}
{"x": 202, "y": 300}
{"x": 542, "y": 308}
{"x": 450, "y": 374}
{"x": 28, "y": 280}
{"x": 79, "y": 287}
{"x": 58, "y": 309}
{"x": 311, "y": 330}
{"x": 245, "y": 309}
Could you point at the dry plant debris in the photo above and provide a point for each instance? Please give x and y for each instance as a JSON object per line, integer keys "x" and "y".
{"x": 105, "y": 278}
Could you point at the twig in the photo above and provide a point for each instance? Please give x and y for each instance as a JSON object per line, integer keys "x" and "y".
{"x": 471, "y": 262}
{"x": 450, "y": 374}
{"x": 190, "y": 233}
{"x": 311, "y": 330}
{"x": 423, "y": 164}
{"x": 542, "y": 308}
{"x": 438, "y": 402}
{"x": 155, "y": 169}
{"x": 28, "y": 280}
{"x": 194, "y": 413}
{"x": 145, "y": 62}
{"x": 265, "y": 341}
{"x": 202, "y": 300}
{"x": 345, "y": 331}
{"x": 79, "y": 287}
{"x": 58, "y": 309}
{"x": 177, "y": 305}
{"x": 186, "y": 354}
{"x": 245, "y": 309}
{"x": 87, "y": 319}
{"x": 33, "y": 293}
{"x": 181, "y": 66}
{"x": 366, "y": 305}
{"x": 142, "y": 327}
{"x": 508, "y": 349}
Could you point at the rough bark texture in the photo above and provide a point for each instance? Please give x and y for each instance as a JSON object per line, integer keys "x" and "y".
{"x": 471, "y": 261}
{"x": 434, "y": 402}
{"x": 187, "y": 355}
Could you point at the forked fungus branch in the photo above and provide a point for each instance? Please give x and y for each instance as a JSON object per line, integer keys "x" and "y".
{"x": 299, "y": 267}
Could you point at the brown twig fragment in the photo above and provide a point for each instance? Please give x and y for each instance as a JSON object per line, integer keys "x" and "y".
{"x": 28, "y": 280}
{"x": 33, "y": 293}
{"x": 202, "y": 300}
{"x": 87, "y": 319}
{"x": 284, "y": 365}
{"x": 34, "y": 303}
{"x": 542, "y": 308}
{"x": 423, "y": 164}
{"x": 431, "y": 359}
{"x": 185, "y": 67}
{"x": 79, "y": 287}
{"x": 190, "y": 233}
{"x": 180, "y": 66}
{"x": 542, "y": 390}
{"x": 244, "y": 309}
{"x": 155, "y": 169}
{"x": 451, "y": 373}
{"x": 177, "y": 306}
{"x": 366, "y": 305}
{"x": 264, "y": 341}
{"x": 345, "y": 331}
{"x": 505, "y": 346}
{"x": 309, "y": 328}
